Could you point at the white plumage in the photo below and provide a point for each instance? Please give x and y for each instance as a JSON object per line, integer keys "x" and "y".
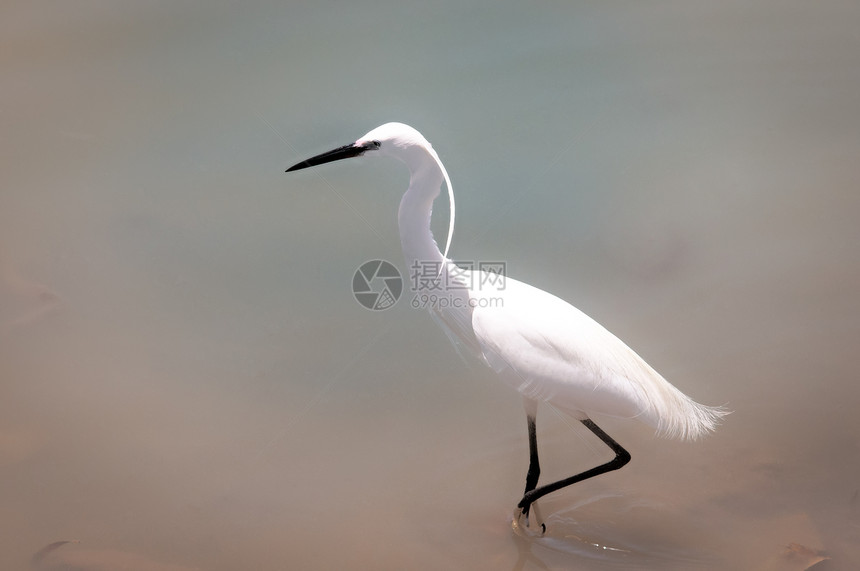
{"x": 552, "y": 352}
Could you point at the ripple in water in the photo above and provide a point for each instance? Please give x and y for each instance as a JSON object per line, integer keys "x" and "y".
{"x": 618, "y": 531}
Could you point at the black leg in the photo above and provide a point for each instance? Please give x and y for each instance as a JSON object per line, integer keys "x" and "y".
{"x": 534, "y": 464}
{"x": 622, "y": 457}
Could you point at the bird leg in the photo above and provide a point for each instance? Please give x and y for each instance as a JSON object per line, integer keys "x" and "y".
{"x": 622, "y": 457}
{"x": 534, "y": 470}
{"x": 534, "y": 463}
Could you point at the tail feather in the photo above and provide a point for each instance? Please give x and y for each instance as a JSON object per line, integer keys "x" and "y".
{"x": 684, "y": 419}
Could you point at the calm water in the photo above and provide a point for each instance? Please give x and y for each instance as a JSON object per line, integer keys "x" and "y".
{"x": 186, "y": 381}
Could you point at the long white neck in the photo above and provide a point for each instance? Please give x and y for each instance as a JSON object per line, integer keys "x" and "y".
{"x": 416, "y": 208}
{"x": 428, "y": 267}
{"x": 413, "y": 218}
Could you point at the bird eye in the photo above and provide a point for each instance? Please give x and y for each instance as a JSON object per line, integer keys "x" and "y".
{"x": 376, "y": 144}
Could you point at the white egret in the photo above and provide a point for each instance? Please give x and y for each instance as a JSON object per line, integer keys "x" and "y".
{"x": 539, "y": 344}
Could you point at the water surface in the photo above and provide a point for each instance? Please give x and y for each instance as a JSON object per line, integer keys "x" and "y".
{"x": 188, "y": 383}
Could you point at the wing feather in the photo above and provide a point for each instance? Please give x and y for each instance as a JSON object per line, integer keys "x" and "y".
{"x": 552, "y": 352}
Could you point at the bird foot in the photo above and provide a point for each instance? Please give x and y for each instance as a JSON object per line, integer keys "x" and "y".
{"x": 526, "y": 525}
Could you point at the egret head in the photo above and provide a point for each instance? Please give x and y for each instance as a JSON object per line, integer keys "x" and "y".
{"x": 394, "y": 140}
{"x": 391, "y": 139}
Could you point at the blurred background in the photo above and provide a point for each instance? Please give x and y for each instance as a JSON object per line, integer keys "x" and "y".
{"x": 186, "y": 381}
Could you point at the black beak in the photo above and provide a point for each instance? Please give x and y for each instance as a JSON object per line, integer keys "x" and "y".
{"x": 344, "y": 152}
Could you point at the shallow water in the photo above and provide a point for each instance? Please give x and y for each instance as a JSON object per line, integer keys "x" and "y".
{"x": 188, "y": 383}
